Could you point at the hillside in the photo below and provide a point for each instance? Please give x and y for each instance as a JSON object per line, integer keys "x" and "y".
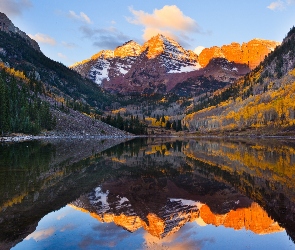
{"x": 263, "y": 99}
{"x": 40, "y": 94}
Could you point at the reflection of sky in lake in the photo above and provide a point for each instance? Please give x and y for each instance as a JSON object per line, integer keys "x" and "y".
{"x": 68, "y": 228}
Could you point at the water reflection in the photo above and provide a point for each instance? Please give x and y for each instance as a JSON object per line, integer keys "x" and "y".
{"x": 152, "y": 192}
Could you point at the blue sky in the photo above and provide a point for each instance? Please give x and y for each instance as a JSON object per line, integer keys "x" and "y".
{"x": 73, "y": 30}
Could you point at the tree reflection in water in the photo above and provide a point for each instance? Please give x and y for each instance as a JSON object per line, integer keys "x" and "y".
{"x": 157, "y": 185}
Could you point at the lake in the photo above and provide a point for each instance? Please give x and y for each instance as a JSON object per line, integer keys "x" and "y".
{"x": 148, "y": 193}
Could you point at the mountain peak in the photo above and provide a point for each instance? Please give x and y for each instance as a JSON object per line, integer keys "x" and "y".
{"x": 160, "y": 44}
{"x": 103, "y": 54}
{"x": 7, "y": 26}
{"x": 130, "y": 48}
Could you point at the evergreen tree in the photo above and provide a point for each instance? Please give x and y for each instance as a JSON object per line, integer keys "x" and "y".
{"x": 174, "y": 125}
{"x": 178, "y": 127}
{"x": 168, "y": 125}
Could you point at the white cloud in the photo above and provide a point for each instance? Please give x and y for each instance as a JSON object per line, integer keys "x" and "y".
{"x": 82, "y": 17}
{"x": 168, "y": 20}
{"x": 69, "y": 45}
{"x": 199, "y": 49}
{"x": 62, "y": 56}
{"x": 280, "y": 5}
{"x": 42, "y": 38}
{"x": 41, "y": 235}
{"x": 14, "y": 7}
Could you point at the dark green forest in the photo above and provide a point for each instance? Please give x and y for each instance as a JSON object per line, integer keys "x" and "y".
{"x": 21, "y": 110}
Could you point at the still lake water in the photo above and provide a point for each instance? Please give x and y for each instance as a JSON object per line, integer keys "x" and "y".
{"x": 155, "y": 193}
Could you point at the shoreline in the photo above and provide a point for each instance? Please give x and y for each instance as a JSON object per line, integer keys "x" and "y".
{"x": 22, "y": 137}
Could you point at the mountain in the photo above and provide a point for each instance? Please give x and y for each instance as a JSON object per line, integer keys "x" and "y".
{"x": 172, "y": 213}
{"x": 108, "y": 64}
{"x": 217, "y": 74}
{"x": 161, "y": 64}
{"x": 260, "y": 101}
{"x": 141, "y": 69}
{"x": 250, "y": 53}
{"x": 70, "y": 97}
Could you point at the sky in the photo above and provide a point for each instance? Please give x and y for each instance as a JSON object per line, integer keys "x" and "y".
{"x": 70, "y": 31}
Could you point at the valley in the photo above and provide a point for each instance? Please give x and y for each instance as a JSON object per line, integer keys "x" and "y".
{"x": 143, "y": 125}
{"x": 159, "y": 87}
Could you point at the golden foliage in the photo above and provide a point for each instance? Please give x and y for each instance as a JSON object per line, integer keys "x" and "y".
{"x": 16, "y": 73}
{"x": 274, "y": 108}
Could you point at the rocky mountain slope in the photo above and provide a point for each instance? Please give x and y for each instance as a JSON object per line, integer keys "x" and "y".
{"x": 161, "y": 64}
{"x": 140, "y": 69}
{"x": 7, "y": 26}
{"x": 71, "y": 97}
{"x": 261, "y": 100}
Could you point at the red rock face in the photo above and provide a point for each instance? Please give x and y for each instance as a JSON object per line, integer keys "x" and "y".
{"x": 251, "y": 53}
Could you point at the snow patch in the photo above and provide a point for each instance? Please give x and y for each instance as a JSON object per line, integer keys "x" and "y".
{"x": 122, "y": 70}
{"x": 185, "y": 69}
{"x": 101, "y": 199}
{"x": 122, "y": 200}
{"x": 191, "y": 203}
{"x": 100, "y": 71}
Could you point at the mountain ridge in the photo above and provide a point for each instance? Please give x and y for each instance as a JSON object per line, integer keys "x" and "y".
{"x": 7, "y": 26}
{"x": 161, "y": 63}
{"x": 110, "y": 64}
{"x": 250, "y": 53}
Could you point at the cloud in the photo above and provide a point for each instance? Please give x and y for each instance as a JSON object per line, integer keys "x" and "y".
{"x": 69, "y": 45}
{"x": 105, "y": 38}
{"x": 61, "y": 55}
{"x": 41, "y": 234}
{"x": 14, "y": 7}
{"x": 280, "y": 5}
{"x": 186, "y": 238}
{"x": 199, "y": 49}
{"x": 104, "y": 238}
{"x": 169, "y": 20}
{"x": 42, "y": 38}
{"x": 82, "y": 17}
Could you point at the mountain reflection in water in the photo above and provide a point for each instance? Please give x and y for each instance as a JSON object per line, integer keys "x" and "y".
{"x": 156, "y": 186}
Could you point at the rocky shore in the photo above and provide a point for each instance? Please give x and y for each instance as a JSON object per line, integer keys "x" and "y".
{"x": 72, "y": 125}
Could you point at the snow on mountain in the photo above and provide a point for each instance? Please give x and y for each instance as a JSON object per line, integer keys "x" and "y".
{"x": 99, "y": 71}
{"x": 108, "y": 65}
{"x": 174, "y": 57}
{"x": 160, "y": 64}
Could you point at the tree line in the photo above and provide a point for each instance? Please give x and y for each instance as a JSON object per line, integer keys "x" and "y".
{"x": 131, "y": 125}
